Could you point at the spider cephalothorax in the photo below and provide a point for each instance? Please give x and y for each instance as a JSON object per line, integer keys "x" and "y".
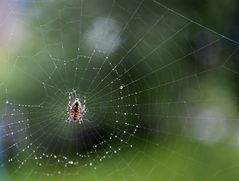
{"x": 76, "y": 111}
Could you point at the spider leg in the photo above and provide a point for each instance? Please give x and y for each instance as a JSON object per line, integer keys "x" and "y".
{"x": 68, "y": 120}
{"x": 68, "y": 111}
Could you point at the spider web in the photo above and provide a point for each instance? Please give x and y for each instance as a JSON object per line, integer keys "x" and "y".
{"x": 139, "y": 66}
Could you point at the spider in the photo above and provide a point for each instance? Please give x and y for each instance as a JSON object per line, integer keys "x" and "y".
{"x": 76, "y": 111}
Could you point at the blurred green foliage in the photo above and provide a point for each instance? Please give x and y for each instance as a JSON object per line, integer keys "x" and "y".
{"x": 187, "y": 68}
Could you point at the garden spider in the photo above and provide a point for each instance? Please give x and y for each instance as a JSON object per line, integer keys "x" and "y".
{"x": 75, "y": 110}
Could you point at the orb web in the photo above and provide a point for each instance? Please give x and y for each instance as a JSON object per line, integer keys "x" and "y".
{"x": 138, "y": 68}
